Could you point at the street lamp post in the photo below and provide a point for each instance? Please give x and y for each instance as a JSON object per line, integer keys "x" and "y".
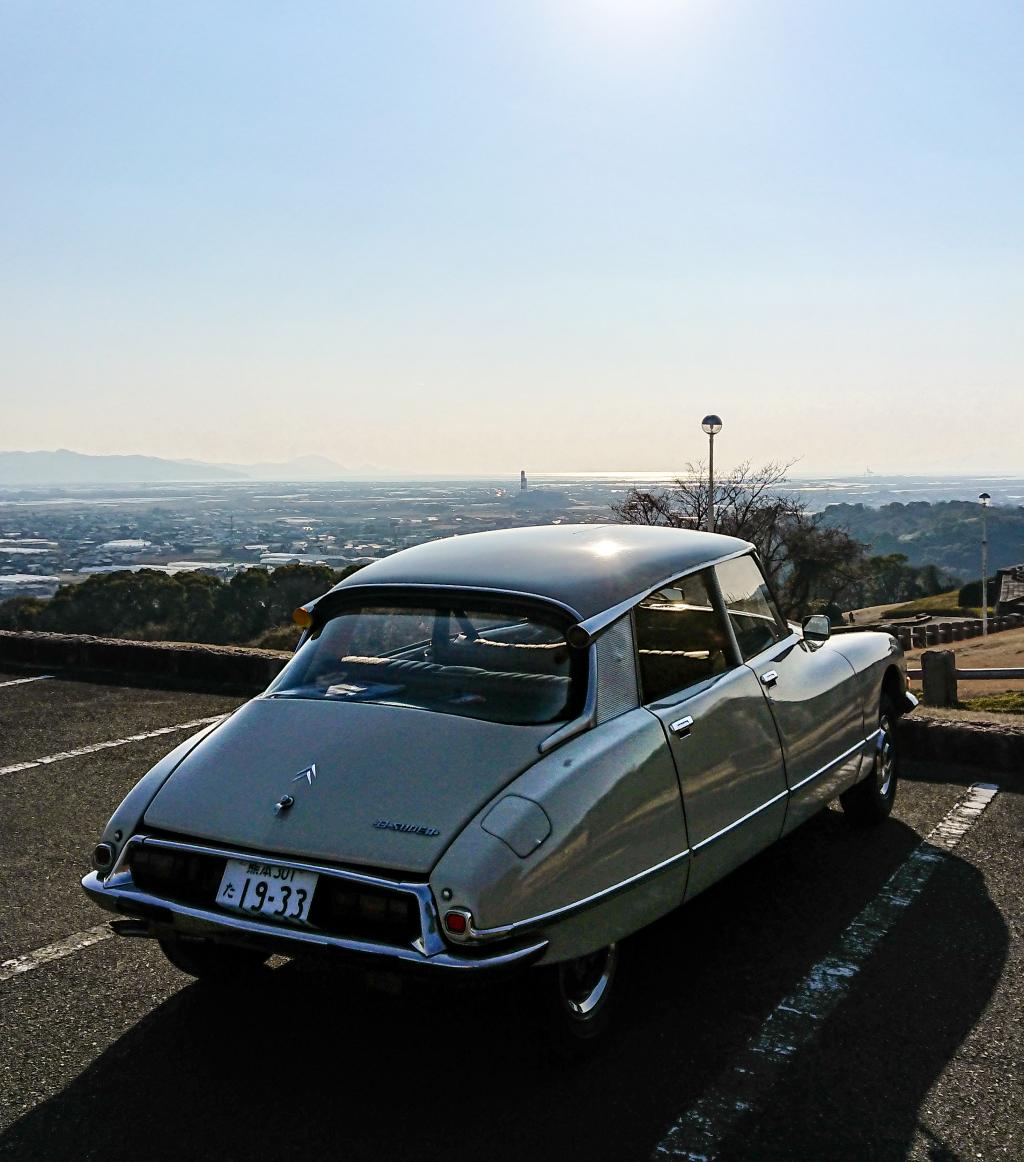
{"x": 712, "y": 425}
{"x": 984, "y": 498}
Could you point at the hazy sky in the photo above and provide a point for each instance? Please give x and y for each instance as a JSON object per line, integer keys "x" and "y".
{"x": 548, "y": 234}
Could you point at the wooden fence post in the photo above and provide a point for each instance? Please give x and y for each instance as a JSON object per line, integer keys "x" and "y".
{"x": 938, "y": 677}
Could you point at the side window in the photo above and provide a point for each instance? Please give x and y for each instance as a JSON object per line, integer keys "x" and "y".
{"x": 755, "y": 619}
{"x": 680, "y": 639}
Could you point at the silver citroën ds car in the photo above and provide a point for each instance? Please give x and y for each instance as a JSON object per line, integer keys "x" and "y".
{"x": 502, "y": 750}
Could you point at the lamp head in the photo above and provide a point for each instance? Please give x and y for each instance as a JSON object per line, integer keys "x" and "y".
{"x": 711, "y": 425}
{"x": 985, "y": 498}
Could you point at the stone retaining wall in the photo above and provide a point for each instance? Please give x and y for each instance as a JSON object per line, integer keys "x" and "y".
{"x": 993, "y": 746}
{"x": 177, "y": 665}
{"x": 238, "y": 670}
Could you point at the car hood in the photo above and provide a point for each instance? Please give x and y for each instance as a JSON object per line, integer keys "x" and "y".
{"x": 426, "y": 774}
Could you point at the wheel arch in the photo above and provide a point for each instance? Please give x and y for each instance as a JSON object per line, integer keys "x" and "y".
{"x": 894, "y": 686}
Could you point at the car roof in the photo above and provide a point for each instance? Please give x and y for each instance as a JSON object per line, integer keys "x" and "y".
{"x": 587, "y": 568}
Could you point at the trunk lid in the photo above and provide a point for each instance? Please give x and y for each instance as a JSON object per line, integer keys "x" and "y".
{"x": 374, "y": 765}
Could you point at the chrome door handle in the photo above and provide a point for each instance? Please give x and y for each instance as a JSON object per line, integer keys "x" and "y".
{"x": 681, "y": 727}
{"x": 769, "y": 677}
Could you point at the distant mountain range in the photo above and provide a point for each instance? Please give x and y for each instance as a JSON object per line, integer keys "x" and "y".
{"x": 300, "y": 468}
{"x": 27, "y": 469}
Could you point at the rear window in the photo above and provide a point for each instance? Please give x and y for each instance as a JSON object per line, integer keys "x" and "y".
{"x": 503, "y": 663}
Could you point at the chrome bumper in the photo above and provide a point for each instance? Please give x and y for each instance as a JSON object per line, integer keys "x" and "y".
{"x": 118, "y": 893}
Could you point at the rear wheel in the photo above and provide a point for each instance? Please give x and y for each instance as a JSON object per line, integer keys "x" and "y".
{"x": 217, "y": 964}
{"x": 871, "y": 800}
{"x": 577, "y": 1001}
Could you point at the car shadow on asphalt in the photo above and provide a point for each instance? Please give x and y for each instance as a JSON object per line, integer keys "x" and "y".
{"x": 310, "y": 1065}
{"x": 958, "y": 774}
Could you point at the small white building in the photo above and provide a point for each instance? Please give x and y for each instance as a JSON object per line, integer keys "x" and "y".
{"x": 27, "y": 585}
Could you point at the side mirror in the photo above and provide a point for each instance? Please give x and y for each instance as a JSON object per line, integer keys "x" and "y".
{"x": 817, "y": 629}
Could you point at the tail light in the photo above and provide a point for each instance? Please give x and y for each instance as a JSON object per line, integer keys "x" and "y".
{"x": 458, "y": 923}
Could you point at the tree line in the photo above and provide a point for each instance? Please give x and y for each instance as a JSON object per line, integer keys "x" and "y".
{"x": 814, "y": 564}
{"x": 254, "y": 607}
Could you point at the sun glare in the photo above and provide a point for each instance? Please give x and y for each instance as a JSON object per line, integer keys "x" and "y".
{"x": 640, "y": 19}
{"x": 622, "y": 29}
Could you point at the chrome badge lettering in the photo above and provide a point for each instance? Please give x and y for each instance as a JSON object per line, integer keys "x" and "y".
{"x": 406, "y": 828}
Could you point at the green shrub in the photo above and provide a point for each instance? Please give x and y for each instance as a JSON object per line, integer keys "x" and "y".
{"x": 970, "y": 594}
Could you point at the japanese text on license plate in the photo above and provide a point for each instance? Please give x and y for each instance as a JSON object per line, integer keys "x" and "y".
{"x": 267, "y": 889}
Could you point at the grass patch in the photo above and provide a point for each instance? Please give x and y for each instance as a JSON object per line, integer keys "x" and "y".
{"x": 1010, "y": 702}
{"x": 939, "y": 604}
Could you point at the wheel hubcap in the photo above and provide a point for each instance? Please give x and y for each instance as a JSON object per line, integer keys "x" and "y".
{"x": 585, "y": 982}
{"x": 886, "y": 766}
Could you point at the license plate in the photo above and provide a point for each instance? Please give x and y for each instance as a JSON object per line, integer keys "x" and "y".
{"x": 267, "y": 889}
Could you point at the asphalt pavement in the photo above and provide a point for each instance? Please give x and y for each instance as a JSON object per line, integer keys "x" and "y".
{"x": 109, "y": 1052}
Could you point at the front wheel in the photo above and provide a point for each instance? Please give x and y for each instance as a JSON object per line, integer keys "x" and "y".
{"x": 871, "y": 800}
{"x": 577, "y": 1001}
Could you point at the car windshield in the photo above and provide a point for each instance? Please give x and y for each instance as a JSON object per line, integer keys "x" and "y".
{"x": 503, "y": 663}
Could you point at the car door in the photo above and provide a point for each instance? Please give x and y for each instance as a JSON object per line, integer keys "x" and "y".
{"x": 809, "y": 689}
{"x": 717, "y": 723}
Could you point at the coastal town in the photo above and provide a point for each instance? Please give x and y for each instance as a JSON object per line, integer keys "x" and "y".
{"x": 222, "y": 529}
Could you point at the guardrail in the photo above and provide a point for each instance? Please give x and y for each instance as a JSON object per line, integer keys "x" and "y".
{"x": 939, "y": 675}
{"x": 975, "y": 675}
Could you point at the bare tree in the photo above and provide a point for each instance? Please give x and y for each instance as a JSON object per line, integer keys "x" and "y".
{"x": 809, "y": 563}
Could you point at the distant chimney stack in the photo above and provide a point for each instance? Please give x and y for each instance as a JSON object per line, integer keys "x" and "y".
{"x": 523, "y": 486}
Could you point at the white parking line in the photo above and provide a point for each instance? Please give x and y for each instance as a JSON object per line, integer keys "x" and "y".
{"x": 61, "y": 948}
{"x": 95, "y": 746}
{"x": 698, "y": 1135}
{"x": 22, "y": 681}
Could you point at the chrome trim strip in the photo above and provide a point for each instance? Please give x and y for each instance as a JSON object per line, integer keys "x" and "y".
{"x": 599, "y": 622}
{"x": 749, "y": 815}
{"x": 586, "y": 719}
{"x": 576, "y": 905}
{"x": 836, "y": 761}
{"x": 105, "y": 895}
{"x": 782, "y": 646}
